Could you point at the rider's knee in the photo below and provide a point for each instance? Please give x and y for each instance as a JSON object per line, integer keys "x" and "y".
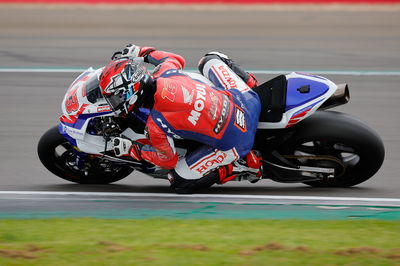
{"x": 212, "y": 55}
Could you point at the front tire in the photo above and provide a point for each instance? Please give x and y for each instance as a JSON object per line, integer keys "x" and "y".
{"x": 357, "y": 147}
{"x": 57, "y": 155}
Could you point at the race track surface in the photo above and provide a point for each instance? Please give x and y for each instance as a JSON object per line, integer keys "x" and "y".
{"x": 262, "y": 39}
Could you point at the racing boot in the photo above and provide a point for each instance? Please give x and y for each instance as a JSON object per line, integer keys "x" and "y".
{"x": 250, "y": 168}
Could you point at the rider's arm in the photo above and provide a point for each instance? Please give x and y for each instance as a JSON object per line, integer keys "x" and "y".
{"x": 162, "y": 151}
{"x": 163, "y": 61}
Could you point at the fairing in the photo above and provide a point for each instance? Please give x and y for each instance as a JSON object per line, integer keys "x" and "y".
{"x": 83, "y": 103}
{"x": 305, "y": 94}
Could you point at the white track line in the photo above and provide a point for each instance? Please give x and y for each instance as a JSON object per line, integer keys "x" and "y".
{"x": 255, "y": 71}
{"x": 330, "y": 72}
{"x": 42, "y": 70}
{"x": 206, "y": 196}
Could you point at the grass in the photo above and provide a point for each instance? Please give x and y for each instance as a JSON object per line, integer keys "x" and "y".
{"x": 89, "y": 241}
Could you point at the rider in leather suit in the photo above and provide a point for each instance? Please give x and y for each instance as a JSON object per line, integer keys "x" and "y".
{"x": 223, "y": 117}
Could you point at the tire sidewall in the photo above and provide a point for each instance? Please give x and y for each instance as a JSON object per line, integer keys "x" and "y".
{"x": 347, "y": 130}
{"x": 46, "y": 150}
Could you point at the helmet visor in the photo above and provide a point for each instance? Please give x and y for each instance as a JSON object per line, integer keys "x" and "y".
{"x": 115, "y": 101}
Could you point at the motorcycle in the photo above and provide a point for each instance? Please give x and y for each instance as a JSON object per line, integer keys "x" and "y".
{"x": 300, "y": 140}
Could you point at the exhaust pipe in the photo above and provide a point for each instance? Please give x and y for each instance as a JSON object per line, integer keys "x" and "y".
{"x": 340, "y": 97}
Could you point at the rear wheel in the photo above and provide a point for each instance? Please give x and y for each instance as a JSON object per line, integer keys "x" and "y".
{"x": 61, "y": 158}
{"x": 339, "y": 141}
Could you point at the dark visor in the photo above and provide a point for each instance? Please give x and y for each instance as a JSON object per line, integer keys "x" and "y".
{"x": 115, "y": 101}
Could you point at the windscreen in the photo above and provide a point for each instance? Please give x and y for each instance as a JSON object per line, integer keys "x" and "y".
{"x": 93, "y": 90}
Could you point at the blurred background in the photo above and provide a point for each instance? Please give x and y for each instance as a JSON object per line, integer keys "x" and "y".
{"x": 42, "y": 47}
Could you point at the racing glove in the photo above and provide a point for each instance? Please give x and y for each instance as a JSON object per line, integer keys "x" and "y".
{"x": 125, "y": 147}
{"x": 131, "y": 50}
{"x": 121, "y": 146}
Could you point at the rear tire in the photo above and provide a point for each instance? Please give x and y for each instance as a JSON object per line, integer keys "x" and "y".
{"x": 334, "y": 134}
{"x": 57, "y": 163}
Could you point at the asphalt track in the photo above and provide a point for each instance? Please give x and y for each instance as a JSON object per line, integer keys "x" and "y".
{"x": 309, "y": 38}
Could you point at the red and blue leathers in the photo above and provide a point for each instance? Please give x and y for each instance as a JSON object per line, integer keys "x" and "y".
{"x": 223, "y": 117}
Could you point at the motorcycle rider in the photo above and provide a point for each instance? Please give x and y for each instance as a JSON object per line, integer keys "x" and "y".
{"x": 223, "y": 117}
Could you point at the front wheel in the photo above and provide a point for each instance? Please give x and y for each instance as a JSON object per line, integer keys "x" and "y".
{"x": 336, "y": 140}
{"x": 61, "y": 158}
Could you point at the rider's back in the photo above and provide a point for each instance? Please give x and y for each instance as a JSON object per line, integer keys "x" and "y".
{"x": 190, "y": 108}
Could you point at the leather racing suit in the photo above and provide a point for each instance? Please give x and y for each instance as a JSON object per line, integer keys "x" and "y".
{"x": 223, "y": 117}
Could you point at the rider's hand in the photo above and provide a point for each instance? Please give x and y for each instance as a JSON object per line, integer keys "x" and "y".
{"x": 131, "y": 50}
{"x": 121, "y": 146}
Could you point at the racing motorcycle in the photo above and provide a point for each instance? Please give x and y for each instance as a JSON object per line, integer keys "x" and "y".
{"x": 299, "y": 139}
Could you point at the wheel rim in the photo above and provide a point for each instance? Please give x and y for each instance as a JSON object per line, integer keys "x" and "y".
{"x": 345, "y": 153}
{"x": 333, "y": 154}
{"x": 65, "y": 157}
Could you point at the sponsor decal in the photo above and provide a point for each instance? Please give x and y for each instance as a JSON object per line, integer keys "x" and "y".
{"x": 240, "y": 101}
{"x": 198, "y": 105}
{"x": 187, "y": 96}
{"x": 74, "y": 133}
{"x": 104, "y": 109}
{"x": 297, "y": 117}
{"x": 240, "y": 121}
{"x": 169, "y": 91}
{"x": 227, "y": 79}
{"x": 210, "y": 162}
{"x": 167, "y": 129}
{"x": 223, "y": 117}
{"x": 212, "y": 113}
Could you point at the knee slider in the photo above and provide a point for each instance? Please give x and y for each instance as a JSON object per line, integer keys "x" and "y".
{"x": 188, "y": 186}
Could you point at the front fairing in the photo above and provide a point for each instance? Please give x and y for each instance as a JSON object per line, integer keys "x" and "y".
{"x": 83, "y": 95}
{"x": 83, "y": 102}
{"x": 83, "y": 99}
{"x": 82, "y": 106}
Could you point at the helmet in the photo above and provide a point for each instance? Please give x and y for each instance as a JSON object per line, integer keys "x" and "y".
{"x": 123, "y": 84}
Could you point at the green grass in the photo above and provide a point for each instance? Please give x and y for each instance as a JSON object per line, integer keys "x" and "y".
{"x": 89, "y": 241}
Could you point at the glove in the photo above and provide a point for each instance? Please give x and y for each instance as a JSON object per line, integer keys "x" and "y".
{"x": 125, "y": 147}
{"x": 131, "y": 50}
{"x": 121, "y": 146}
